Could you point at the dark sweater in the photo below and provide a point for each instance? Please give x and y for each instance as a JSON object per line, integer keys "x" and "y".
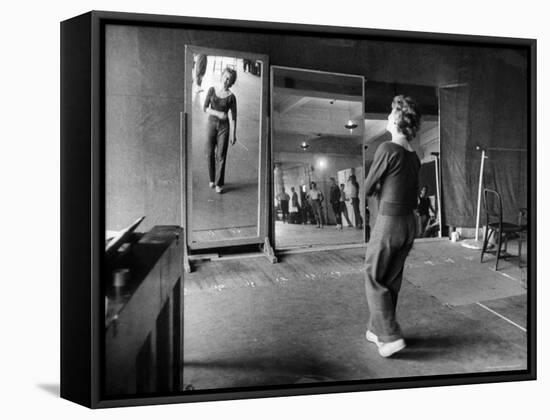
{"x": 229, "y": 103}
{"x": 334, "y": 194}
{"x": 395, "y": 169}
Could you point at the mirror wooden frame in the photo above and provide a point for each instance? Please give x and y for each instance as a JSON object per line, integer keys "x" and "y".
{"x": 187, "y": 211}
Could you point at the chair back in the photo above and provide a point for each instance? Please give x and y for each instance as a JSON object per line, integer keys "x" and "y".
{"x": 493, "y": 206}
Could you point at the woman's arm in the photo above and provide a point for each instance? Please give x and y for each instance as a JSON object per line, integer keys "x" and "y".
{"x": 207, "y": 107}
{"x": 377, "y": 170}
{"x": 219, "y": 114}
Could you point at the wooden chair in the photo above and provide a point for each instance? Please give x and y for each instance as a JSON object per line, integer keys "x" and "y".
{"x": 495, "y": 225}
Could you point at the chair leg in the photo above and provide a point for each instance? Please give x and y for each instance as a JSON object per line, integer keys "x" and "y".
{"x": 498, "y": 248}
{"x": 506, "y": 243}
{"x": 487, "y": 236}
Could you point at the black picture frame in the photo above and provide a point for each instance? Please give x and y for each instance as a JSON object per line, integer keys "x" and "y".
{"x": 83, "y": 208}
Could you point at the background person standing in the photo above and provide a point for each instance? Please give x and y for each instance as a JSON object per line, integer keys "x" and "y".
{"x": 424, "y": 205}
{"x": 316, "y": 198}
{"x": 334, "y": 199}
{"x": 284, "y": 199}
{"x": 354, "y": 196}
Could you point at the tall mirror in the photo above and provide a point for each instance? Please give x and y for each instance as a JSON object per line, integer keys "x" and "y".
{"x": 318, "y": 172}
{"x": 224, "y": 131}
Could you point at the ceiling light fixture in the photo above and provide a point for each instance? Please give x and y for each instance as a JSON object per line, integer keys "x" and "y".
{"x": 350, "y": 125}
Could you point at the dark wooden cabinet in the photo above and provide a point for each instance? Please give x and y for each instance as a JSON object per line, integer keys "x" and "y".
{"x": 143, "y": 320}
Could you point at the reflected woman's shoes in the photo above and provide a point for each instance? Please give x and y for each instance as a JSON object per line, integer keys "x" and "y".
{"x": 219, "y": 190}
{"x": 211, "y": 185}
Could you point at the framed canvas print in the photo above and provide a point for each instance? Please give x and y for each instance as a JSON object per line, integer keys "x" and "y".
{"x": 260, "y": 209}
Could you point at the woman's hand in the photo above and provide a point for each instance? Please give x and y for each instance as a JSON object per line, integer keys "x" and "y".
{"x": 234, "y": 140}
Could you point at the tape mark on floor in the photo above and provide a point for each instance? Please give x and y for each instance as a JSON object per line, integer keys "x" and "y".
{"x": 502, "y": 316}
{"x": 509, "y": 276}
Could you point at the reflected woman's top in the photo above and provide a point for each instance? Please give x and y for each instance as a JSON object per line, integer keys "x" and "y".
{"x": 226, "y": 104}
{"x": 396, "y": 169}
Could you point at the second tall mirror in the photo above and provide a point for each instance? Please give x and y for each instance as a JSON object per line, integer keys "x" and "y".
{"x": 317, "y": 141}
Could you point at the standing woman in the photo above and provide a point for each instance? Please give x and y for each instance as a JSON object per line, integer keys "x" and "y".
{"x": 219, "y": 101}
{"x": 343, "y": 206}
{"x": 316, "y": 198}
{"x": 393, "y": 177}
{"x": 424, "y": 205}
{"x": 354, "y": 195}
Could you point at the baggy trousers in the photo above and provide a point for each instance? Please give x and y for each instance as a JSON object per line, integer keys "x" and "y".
{"x": 284, "y": 209}
{"x": 217, "y": 132}
{"x": 391, "y": 240}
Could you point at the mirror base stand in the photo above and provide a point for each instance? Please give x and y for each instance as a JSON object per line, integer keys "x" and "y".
{"x": 268, "y": 251}
{"x": 186, "y": 263}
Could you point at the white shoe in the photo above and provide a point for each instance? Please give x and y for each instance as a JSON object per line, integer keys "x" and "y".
{"x": 219, "y": 190}
{"x": 387, "y": 349}
{"x": 211, "y": 185}
{"x": 372, "y": 337}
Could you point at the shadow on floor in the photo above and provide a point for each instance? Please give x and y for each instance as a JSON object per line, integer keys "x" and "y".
{"x": 237, "y": 372}
{"x": 52, "y": 389}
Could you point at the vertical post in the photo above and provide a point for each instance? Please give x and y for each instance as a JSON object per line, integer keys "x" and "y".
{"x": 183, "y": 182}
{"x": 437, "y": 186}
{"x": 182, "y": 176}
{"x": 478, "y": 214}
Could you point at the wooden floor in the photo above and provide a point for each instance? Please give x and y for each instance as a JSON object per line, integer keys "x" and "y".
{"x": 225, "y": 233}
{"x": 288, "y": 235}
{"x": 251, "y": 323}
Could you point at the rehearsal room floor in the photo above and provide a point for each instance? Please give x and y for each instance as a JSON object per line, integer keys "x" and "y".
{"x": 248, "y": 322}
{"x": 288, "y": 235}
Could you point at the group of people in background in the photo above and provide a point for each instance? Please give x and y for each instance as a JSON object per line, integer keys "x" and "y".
{"x": 339, "y": 197}
{"x": 309, "y": 206}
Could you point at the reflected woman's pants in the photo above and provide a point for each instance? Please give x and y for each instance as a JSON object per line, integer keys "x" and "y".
{"x": 392, "y": 239}
{"x": 217, "y": 132}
